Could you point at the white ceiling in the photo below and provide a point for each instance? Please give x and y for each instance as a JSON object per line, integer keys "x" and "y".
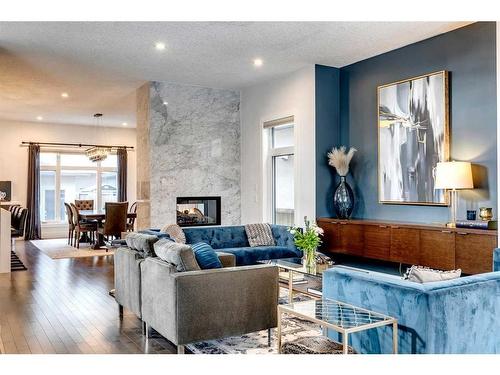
{"x": 100, "y": 64}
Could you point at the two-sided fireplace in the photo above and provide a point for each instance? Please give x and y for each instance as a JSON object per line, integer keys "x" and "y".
{"x": 197, "y": 211}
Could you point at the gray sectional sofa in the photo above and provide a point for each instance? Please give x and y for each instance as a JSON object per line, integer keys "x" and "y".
{"x": 187, "y": 307}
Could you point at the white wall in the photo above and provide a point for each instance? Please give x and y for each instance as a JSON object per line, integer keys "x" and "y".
{"x": 290, "y": 95}
{"x": 14, "y": 158}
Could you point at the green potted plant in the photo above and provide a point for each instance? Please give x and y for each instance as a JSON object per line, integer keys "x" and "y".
{"x": 308, "y": 240}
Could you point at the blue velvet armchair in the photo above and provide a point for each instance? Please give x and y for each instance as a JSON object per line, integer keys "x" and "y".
{"x": 456, "y": 316}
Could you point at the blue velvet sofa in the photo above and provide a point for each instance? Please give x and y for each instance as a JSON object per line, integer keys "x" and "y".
{"x": 233, "y": 240}
{"x": 456, "y": 316}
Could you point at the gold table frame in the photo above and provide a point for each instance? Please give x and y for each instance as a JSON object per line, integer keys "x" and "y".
{"x": 379, "y": 321}
{"x": 288, "y": 265}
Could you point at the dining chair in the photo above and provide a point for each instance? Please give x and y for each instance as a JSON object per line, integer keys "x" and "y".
{"x": 82, "y": 227}
{"x": 71, "y": 224}
{"x": 115, "y": 219}
{"x": 14, "y": 207}
{"x": 84, "y": 204}
{"x": 18, "y": 222}
{"x": 131, "y": 220}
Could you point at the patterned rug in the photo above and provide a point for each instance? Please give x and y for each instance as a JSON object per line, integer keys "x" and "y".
{"x": 59, "y": 249}
{"x": 15, "y": 263}
{"x": 256, "y": 342}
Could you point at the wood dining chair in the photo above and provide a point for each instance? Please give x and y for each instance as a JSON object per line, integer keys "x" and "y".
{"x": 131, "y": 220}
{"x": 71, "y": 224}
{"x": 115, "y": 219}
{"x": 84, "y": 204}
{"x": 82, "y": 227}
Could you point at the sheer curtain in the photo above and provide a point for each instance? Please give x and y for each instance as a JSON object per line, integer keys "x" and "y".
{"x": 122, "y": 174}
{"x": 33, "y": 225}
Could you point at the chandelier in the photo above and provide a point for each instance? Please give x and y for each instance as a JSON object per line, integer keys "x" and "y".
{"x": 97, "y": 153}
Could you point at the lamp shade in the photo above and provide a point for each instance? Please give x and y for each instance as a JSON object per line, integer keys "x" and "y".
{"x": 453, "y": 175}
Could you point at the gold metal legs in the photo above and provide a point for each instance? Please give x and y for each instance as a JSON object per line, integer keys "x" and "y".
{"x": 290, "y": 286}
{"x": 395, "y": 337}
{"x": 345, "y": 343}
{"x": 146, "y": 346}
{"x": 279, "y": 330}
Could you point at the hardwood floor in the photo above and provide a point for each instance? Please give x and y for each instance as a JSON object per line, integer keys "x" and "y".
{"x": 63, "y": 306}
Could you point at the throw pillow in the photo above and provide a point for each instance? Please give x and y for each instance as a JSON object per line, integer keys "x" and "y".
{"x": 259, "y": 235}
{"x": 155, "y": 233}
{"x": 179, "y": 255}
{"x": 422, "y": 275}
{"x": 175, "y": 232}
{"x": 141, "y": 242}
{"x": 206, "y": 256}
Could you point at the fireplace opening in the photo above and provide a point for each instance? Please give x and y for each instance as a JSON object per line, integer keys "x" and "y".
{"x": 197, "y": 211}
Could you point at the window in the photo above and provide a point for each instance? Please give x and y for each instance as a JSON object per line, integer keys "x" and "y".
{"x": 47, "y": 196}
{"x": 71, "y": 176}
{"x": 281, "y": 170}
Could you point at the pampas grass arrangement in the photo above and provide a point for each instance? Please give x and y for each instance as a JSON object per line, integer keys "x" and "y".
{"x": 340, "y": 159}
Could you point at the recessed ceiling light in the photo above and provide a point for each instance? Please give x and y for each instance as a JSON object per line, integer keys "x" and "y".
{"x": 258, "y": 62}
{"x": 124, "y": 124}
{"x": 165, "y": 103}
{"x": 160, "y": 46}
{"x": 65, "y": 95}
{"x": 39, "y": 118}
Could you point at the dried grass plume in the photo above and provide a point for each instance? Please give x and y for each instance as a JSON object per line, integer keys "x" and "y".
{"x": 339, "y": 159}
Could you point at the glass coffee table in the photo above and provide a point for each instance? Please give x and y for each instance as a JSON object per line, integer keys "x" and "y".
{"x": 338, "y": 316}
{"x": 302, "y": 279}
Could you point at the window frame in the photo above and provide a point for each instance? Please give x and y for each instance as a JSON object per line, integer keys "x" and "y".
{"x": 58, "y": 168}
{"x": 270, "y": 175}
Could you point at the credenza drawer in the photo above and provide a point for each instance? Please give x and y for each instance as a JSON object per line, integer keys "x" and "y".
{"x": 377, "y": 240}
{"x": 474, "y": 253}
{"x": 437, "y": 249}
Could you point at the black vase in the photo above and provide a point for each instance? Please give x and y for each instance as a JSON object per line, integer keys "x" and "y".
{"x": 343, "y": 199}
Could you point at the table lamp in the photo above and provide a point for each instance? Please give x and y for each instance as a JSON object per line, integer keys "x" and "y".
{"x": 453, "y": 176}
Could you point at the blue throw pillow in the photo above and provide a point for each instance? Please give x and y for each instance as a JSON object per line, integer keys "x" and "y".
{"x": 206, "y": 256}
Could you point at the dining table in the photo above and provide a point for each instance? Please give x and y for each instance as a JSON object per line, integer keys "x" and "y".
{"x": 99, "y": 216}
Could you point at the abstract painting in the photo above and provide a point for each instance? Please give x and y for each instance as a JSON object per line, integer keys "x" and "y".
{"x": 413, "y": 136}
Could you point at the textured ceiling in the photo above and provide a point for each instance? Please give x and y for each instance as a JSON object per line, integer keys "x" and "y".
{"x": 100, "y": 64}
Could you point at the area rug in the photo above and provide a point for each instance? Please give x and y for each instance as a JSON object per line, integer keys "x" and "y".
{"x": 257, "y": 342}
{"x": 59, "y": 249}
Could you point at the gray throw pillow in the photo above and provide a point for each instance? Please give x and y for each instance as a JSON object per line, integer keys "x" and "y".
{"x": 259, "y": 235}
{"x": 181, "y": 256}
{"x": 141, "y": 242}
{"x": 422, "y": 275}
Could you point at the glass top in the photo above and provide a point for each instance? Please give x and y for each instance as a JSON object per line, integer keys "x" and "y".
{"x": 335, "y": 313}
{"x": 295, "y": 264}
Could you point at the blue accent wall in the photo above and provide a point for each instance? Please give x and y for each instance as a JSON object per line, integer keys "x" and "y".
{"x": 327, "y": 102}
{"x": 469, "y": 54}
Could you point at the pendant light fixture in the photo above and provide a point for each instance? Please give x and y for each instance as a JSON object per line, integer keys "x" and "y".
{"x": 97, "y": 153}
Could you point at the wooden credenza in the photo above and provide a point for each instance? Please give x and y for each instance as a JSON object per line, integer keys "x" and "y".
{"x": 431, "y": 245}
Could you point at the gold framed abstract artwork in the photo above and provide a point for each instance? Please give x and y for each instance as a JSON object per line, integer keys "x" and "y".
{"x": 413, "y": 136}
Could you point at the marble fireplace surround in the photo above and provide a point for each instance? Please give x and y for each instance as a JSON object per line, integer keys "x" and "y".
{"x": 194, "y": 149}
